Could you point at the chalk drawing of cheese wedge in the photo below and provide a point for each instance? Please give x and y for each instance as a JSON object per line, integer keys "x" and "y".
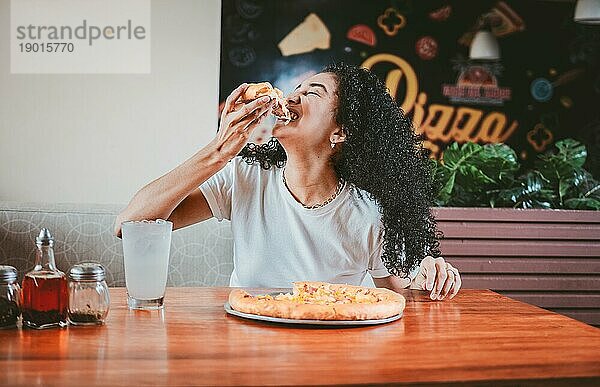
{"x": 308, "y": 36}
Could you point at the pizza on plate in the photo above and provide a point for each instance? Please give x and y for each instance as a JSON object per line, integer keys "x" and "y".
{"x": 321, "y": 301}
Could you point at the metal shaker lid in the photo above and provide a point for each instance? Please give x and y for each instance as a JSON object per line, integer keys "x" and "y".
{"x": 87, "y": 271}
{"x": 45, "y": 238}
{"x": 8, "y": 274}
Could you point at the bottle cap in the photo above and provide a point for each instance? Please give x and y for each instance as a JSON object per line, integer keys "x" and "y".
{"x": 87, "y": 271}
{"x": 45, "y": 238}
{"x": 8, "y": 274}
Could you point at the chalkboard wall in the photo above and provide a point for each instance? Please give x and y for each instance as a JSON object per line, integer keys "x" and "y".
{"x": 544, "y": 87}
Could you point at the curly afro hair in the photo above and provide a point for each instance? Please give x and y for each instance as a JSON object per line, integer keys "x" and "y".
{"x": 383, "y": 156}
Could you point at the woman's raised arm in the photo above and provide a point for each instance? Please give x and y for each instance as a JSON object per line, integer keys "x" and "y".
{"x": 174, "y": 195}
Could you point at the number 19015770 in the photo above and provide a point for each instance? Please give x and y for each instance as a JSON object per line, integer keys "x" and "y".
{"x": 46, "y": 47}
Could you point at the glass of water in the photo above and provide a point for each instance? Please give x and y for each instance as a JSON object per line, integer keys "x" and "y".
{"x": 146, "y": 247}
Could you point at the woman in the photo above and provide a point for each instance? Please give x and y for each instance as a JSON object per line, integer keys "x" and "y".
{"x": 342, "y": 190}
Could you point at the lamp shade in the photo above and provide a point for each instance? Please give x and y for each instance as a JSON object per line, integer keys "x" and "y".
{"x": 587, "y": 12}
{"x": 484, "y": 46}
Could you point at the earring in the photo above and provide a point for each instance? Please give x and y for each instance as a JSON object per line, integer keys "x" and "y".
{"x": 332, "y": 145}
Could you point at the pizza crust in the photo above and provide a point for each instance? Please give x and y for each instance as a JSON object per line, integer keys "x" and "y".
{"x": 388, "y": 303}
{"x": 256, "y": 90}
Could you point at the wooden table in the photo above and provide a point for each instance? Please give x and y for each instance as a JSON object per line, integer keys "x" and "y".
{"x": 477, "y": 336}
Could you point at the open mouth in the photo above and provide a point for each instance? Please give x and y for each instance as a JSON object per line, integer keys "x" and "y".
{"x": 293, "y": 115}
{"x": 286, "y": 118}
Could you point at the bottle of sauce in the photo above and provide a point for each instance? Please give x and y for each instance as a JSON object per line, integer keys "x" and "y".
{"x": 45, "y": 291}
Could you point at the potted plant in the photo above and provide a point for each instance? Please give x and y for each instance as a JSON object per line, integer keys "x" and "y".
{"x": 530, "y": 234}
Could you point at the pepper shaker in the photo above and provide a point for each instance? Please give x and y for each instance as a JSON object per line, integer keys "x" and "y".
{"x": 10, "y": 297}
{"x": 89, "y": 299}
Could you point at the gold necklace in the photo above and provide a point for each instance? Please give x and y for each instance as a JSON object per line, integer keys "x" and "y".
{"x": 338, "y": 189}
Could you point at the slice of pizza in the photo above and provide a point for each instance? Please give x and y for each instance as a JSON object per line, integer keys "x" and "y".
{"x": 257, "y": 90}
{"x": 322, "y": 301}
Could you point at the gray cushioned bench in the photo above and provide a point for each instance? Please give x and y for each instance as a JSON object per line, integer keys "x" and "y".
{"x": 201, "y": 255}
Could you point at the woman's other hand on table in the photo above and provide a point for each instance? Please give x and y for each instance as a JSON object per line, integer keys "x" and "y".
{"x": 439, "y": 277}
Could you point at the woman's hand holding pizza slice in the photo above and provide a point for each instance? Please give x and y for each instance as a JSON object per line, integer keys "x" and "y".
{"x": 239, "y": 119}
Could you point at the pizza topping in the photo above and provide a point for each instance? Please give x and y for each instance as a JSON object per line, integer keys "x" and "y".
{"x": 324, "y": 295}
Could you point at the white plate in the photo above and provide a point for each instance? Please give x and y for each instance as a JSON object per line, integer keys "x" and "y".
{"x": 234, "y": 312}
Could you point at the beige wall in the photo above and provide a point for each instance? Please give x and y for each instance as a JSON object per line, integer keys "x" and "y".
{"x": 98, "y": 138}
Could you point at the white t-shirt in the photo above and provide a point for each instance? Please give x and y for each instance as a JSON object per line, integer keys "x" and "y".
{"x": 277, "y": 241}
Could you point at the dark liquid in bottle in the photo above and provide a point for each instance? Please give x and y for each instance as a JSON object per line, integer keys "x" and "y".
{"x": 45, "y": 300}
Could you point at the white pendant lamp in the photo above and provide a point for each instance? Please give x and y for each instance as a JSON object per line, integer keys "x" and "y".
{"x": 484, "y": 46}
{"x": 587, "y": 12}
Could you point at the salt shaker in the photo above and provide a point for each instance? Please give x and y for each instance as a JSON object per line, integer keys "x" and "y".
{"x": 10, "y": 297}
{"x": 89, "y": 299}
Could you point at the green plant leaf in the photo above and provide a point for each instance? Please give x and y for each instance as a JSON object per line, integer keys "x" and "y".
{"x": 455, "y": 155}
{"x": 447, "y": 188}
{"x": 594, "y": 192}
{"x": 572, "y": 151}
{"x": 472, "y": 176}
{"x": 563, "y": 186}
{"x": 499, "y": 163}
{"x": 583, "y": 185}
{"x": 582, "y": 204}
{"x": 563, "y": 168}
{"x": 530, "y": 192}
{"x": 462, "y": 197}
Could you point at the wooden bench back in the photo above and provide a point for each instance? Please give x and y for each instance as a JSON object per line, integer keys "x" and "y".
{"x": 549, "y": 258}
